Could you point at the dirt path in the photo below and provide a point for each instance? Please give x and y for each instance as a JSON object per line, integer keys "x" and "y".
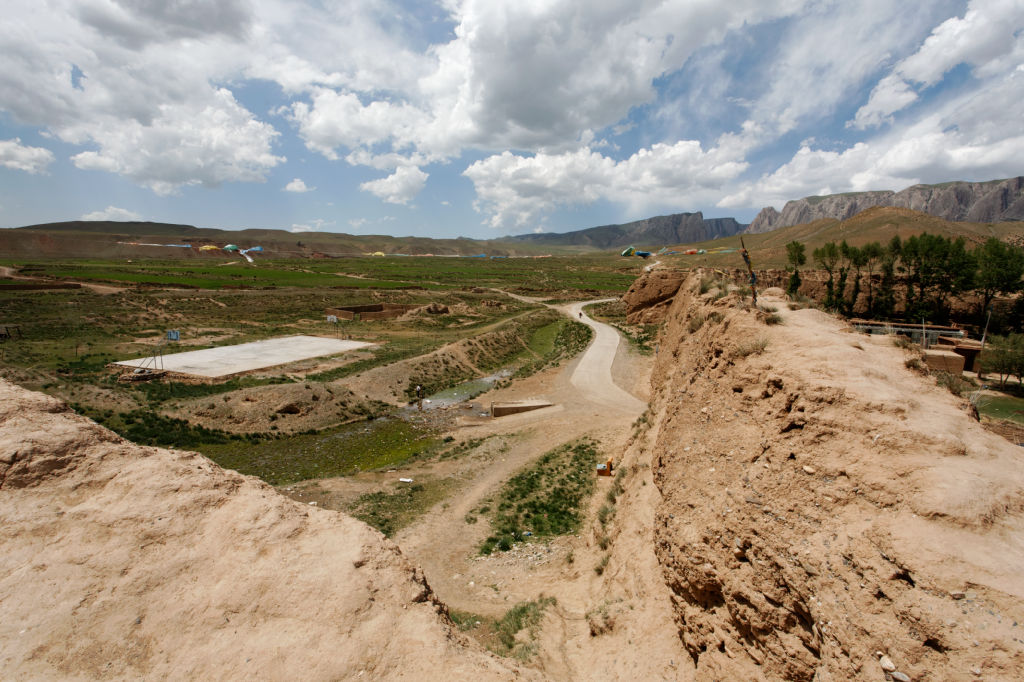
{"x": 6, "y": 271}
{"x": 586, "y": 402}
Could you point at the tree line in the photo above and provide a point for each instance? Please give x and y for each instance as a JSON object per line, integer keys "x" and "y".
{"x": 916, "y": 278}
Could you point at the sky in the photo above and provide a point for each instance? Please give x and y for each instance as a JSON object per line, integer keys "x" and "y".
{"x": 485, "y": 118}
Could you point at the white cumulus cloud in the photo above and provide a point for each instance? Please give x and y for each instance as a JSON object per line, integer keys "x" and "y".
{"x": 400, "y": 187}
{"x": 112, "y": 213}
{"x": 514, "y": 190}
{"x": 988, "y": 38}
{"x": 13, "y": 154}
{"x": 298, "y": 186}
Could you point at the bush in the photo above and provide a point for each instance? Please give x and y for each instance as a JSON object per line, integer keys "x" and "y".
{"x": 751, "y": 347}
{"x": 954, "y": 383}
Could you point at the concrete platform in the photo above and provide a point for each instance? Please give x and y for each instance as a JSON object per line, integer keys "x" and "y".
{"x": 226, "y": 360}
{"x": 517, "y": 406}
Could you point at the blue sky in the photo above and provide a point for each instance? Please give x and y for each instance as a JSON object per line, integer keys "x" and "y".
{"x": 483, "y": 118}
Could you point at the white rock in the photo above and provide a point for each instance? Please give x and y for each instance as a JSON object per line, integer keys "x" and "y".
{"x": 808, "y": 470}
{"x": 886, "y": 663}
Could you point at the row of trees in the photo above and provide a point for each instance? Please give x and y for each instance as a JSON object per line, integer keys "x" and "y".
{"x": 925, "y": 272}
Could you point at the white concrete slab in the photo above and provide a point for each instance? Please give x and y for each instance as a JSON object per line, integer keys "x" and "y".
{"x": 225, "y": 360}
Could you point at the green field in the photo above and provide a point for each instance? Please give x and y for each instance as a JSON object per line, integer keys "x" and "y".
{"x": 1002, "y": 407}
{"x": 580, "y": 273}
{"x": 70, "y": 335}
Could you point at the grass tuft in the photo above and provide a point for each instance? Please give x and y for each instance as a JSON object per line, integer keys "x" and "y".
{"x": 751, "y": 347}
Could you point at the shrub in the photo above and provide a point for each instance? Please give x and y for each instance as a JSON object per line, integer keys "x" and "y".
{"x": 904, "y": 342}
{"x": 954, "y": 383}
{"x": 751, "y": 347}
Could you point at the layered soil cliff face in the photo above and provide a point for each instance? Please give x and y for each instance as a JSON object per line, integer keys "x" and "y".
{"x": 823, "y": 503}
{"x": 125, "y": 562}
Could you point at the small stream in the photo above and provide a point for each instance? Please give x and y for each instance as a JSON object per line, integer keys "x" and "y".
{"x": 464, "y": 391}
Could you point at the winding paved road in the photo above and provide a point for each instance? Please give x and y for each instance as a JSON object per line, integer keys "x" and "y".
{"x": 593, "y": 373}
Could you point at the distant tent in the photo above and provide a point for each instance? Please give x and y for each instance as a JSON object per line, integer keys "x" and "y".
{"x": 643, "y": 254}
{"x": 255, "y": 249}
{"x": 378, "y": 253}
{"x": 231, "y": 247}
{"x": 208, "y": 247}
{"x": 629, "y": 251}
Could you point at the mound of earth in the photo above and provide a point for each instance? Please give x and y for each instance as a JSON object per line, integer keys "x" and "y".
{"x": 450, "y": 364}
{"x": 291, "y": 407}
{"x": 824, "y": 506}
{"x": 126, "y": 562}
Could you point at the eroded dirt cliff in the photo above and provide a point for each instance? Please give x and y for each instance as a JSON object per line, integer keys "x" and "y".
{"x": 822, "y": 504}
{"x": 125, "y": 562}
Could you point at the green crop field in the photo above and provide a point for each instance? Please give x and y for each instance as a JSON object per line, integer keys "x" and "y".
{"x": 580, "y": 273}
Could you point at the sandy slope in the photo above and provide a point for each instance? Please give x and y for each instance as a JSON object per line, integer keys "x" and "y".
{"x": 823, "y": 503}
{"x": 123, "y": 562}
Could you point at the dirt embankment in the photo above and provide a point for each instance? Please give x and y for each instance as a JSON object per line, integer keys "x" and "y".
{"x": 822, "y": 503}
{"x": 454, "y": 362}
{"x": 124, "y": 562}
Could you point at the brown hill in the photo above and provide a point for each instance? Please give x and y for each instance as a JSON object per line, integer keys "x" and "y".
{"x": 124, "y": 562}
{"x": 879, "y": 224}
{"x": 111, "y": 239}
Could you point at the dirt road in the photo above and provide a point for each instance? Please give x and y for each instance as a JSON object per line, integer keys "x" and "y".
{"x": 586, "y": 402}
{"x": 97, "y": 288}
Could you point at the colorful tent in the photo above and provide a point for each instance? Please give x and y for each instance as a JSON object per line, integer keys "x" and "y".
{"x": 209, "y": 247}
{"x": 231, "y": 247}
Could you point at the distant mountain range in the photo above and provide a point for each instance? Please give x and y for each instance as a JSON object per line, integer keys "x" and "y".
{"x": 678, "y": 228}
{"x": 977, "y": 202}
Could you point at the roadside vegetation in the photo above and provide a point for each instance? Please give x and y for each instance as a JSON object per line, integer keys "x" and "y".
{"x": 641, "y": 337}
{"x": 546, "y": 499}
{"x": 562, "y": 339}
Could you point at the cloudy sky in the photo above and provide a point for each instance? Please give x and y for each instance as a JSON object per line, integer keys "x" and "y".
{"x": 490, "y": 117}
